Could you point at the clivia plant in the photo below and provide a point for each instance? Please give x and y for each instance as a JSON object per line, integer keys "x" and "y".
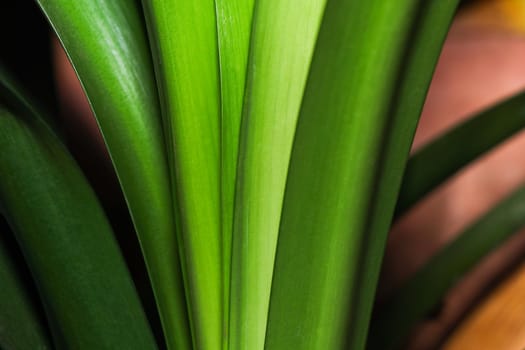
{"x": 261, "y": 148}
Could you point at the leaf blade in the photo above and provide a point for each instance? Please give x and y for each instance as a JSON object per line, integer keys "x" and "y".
{"x": 234, "y": 22}
{"x": 106, "y": 42}
{"x": 324, "y": 224}
{"x": 421, "y": 55}
{"x": 281, "y": 47}
{"x": 447, "y": 154}
{"x": 21, "y": 322}
{"x": 425, "y": 289}
{"x": 88, "y": 294}
{"x": 184, "y": 41}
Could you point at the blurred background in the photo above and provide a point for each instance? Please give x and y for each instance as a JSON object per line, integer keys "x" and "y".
{"x": 483, "y": 62}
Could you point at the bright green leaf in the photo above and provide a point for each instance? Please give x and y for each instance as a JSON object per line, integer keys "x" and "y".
{"x": 234, "y": 23}
{"x": 282, "y": 43}
{"x": 183, "y": 37}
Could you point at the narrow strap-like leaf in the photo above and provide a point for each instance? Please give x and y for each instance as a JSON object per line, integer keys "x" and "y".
{"x": 106, "y": 42}
{"x": 234, "y": 23}
{"x": 335, "y": 174}
{"x": 21, "y": 323}
{"x": 282, "y": 43}
{"x": 426, "y": 288}
{"x": 421, "y": 55}
{"x": 87, "y": 291}
{"x": 183, "y": 35}
{"x": 443, "y": 157}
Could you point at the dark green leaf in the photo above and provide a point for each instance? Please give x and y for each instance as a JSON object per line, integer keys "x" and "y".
{"x": 106, "y": 42}
{"x": 425, "y": 290}
{"x": 21, "y": 323}
{"x": 442, "y": 158}
{"x": 88, "y": 294}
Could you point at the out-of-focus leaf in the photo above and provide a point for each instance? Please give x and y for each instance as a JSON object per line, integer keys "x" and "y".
{"x": 88, "y": 295}
{"x": 21, "y": 323}
{"x": 443, "y": 157}
{"x": 426, "y": 288}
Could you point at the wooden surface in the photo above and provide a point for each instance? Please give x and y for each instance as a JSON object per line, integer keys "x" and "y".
{"x": 498, "y": 323}
{"x": 505, "y": 15}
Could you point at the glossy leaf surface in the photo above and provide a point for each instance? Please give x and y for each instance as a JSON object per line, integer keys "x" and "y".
{"x": 106, "y": 42}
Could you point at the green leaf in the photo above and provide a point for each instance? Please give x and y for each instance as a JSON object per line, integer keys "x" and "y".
{"x": 421, "y": 55}
{"x": 443, "y": 157}
{"x": 183, "y": 35}
{"x": 21, "y": 322}
{"x": 234, "y": 22}
{"x": 338, "y": 202}
{"x": 425, "y": 289}
{"x": 106, "y": 42}
{"x": 282, "y": 43}
{"x": 87, "y": 292}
